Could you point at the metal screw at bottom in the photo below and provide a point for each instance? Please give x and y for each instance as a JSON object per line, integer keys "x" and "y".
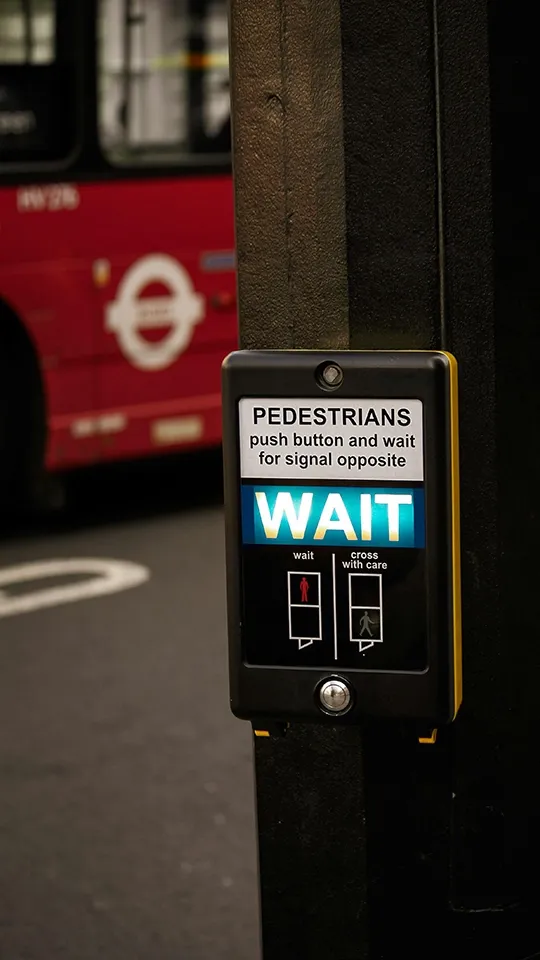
{"x": 335, "y": 696}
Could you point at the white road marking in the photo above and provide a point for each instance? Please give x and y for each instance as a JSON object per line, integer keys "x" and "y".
{"x": 107, "y": 576}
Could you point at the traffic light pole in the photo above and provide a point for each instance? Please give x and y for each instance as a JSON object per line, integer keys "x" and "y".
{"x": 381, "y": 203}
{"x": 292, "y": 275}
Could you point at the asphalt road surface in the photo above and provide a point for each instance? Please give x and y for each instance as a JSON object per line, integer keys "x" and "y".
{"x": 126, "y": 799}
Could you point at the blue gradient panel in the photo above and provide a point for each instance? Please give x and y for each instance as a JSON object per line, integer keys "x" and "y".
{"x": 333, "y": 516}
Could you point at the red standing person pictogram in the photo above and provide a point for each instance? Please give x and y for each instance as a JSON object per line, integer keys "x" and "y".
{"x": 304, "y": 587}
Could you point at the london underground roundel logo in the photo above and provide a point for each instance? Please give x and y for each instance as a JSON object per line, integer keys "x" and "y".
{"x": 130, "y": 314}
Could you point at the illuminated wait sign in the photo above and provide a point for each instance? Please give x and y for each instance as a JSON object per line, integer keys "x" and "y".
{"x": 333, "y": 516}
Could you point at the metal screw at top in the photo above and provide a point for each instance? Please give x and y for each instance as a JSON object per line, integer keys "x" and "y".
{"x": 335, "y": 696}
{"x": 332, "y": 375}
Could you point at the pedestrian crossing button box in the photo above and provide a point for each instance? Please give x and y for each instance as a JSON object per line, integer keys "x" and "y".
{"x": 342, "y": 523}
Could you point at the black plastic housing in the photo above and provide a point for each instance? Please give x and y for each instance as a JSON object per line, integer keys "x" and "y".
{"x": 288, "y": 693}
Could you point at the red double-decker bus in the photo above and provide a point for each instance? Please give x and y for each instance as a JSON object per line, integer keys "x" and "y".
{"x": 117, "y": 282}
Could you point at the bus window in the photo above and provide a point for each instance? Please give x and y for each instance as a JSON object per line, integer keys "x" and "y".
{"x": 36, "y": 87}
{"x": 164, "y": 91}
{"x": 27, "y": 31}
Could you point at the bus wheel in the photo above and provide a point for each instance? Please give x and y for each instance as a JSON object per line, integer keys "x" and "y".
{"x": 22, "y": 420}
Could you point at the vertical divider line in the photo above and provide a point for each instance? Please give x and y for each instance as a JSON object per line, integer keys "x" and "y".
{"x": 319, "y": 593}
{"x": 334, "y": 598}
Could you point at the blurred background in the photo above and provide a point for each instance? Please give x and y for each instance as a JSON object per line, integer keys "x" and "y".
{"x": 126, "y": 809}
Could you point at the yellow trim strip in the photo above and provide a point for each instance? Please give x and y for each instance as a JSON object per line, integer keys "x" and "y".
{"x": 261, "y": 733}
{"x": 430, "y": 739}
{"x": 456, "y": 545}
{"x": 192, "y": 61}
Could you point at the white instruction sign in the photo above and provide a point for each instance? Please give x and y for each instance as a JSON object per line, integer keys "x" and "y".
{"x": 358, "y": 439}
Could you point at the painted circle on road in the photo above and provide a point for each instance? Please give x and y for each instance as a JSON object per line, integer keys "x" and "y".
{"x": 104, "y": 576}
{"x": 181, "y": 310}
